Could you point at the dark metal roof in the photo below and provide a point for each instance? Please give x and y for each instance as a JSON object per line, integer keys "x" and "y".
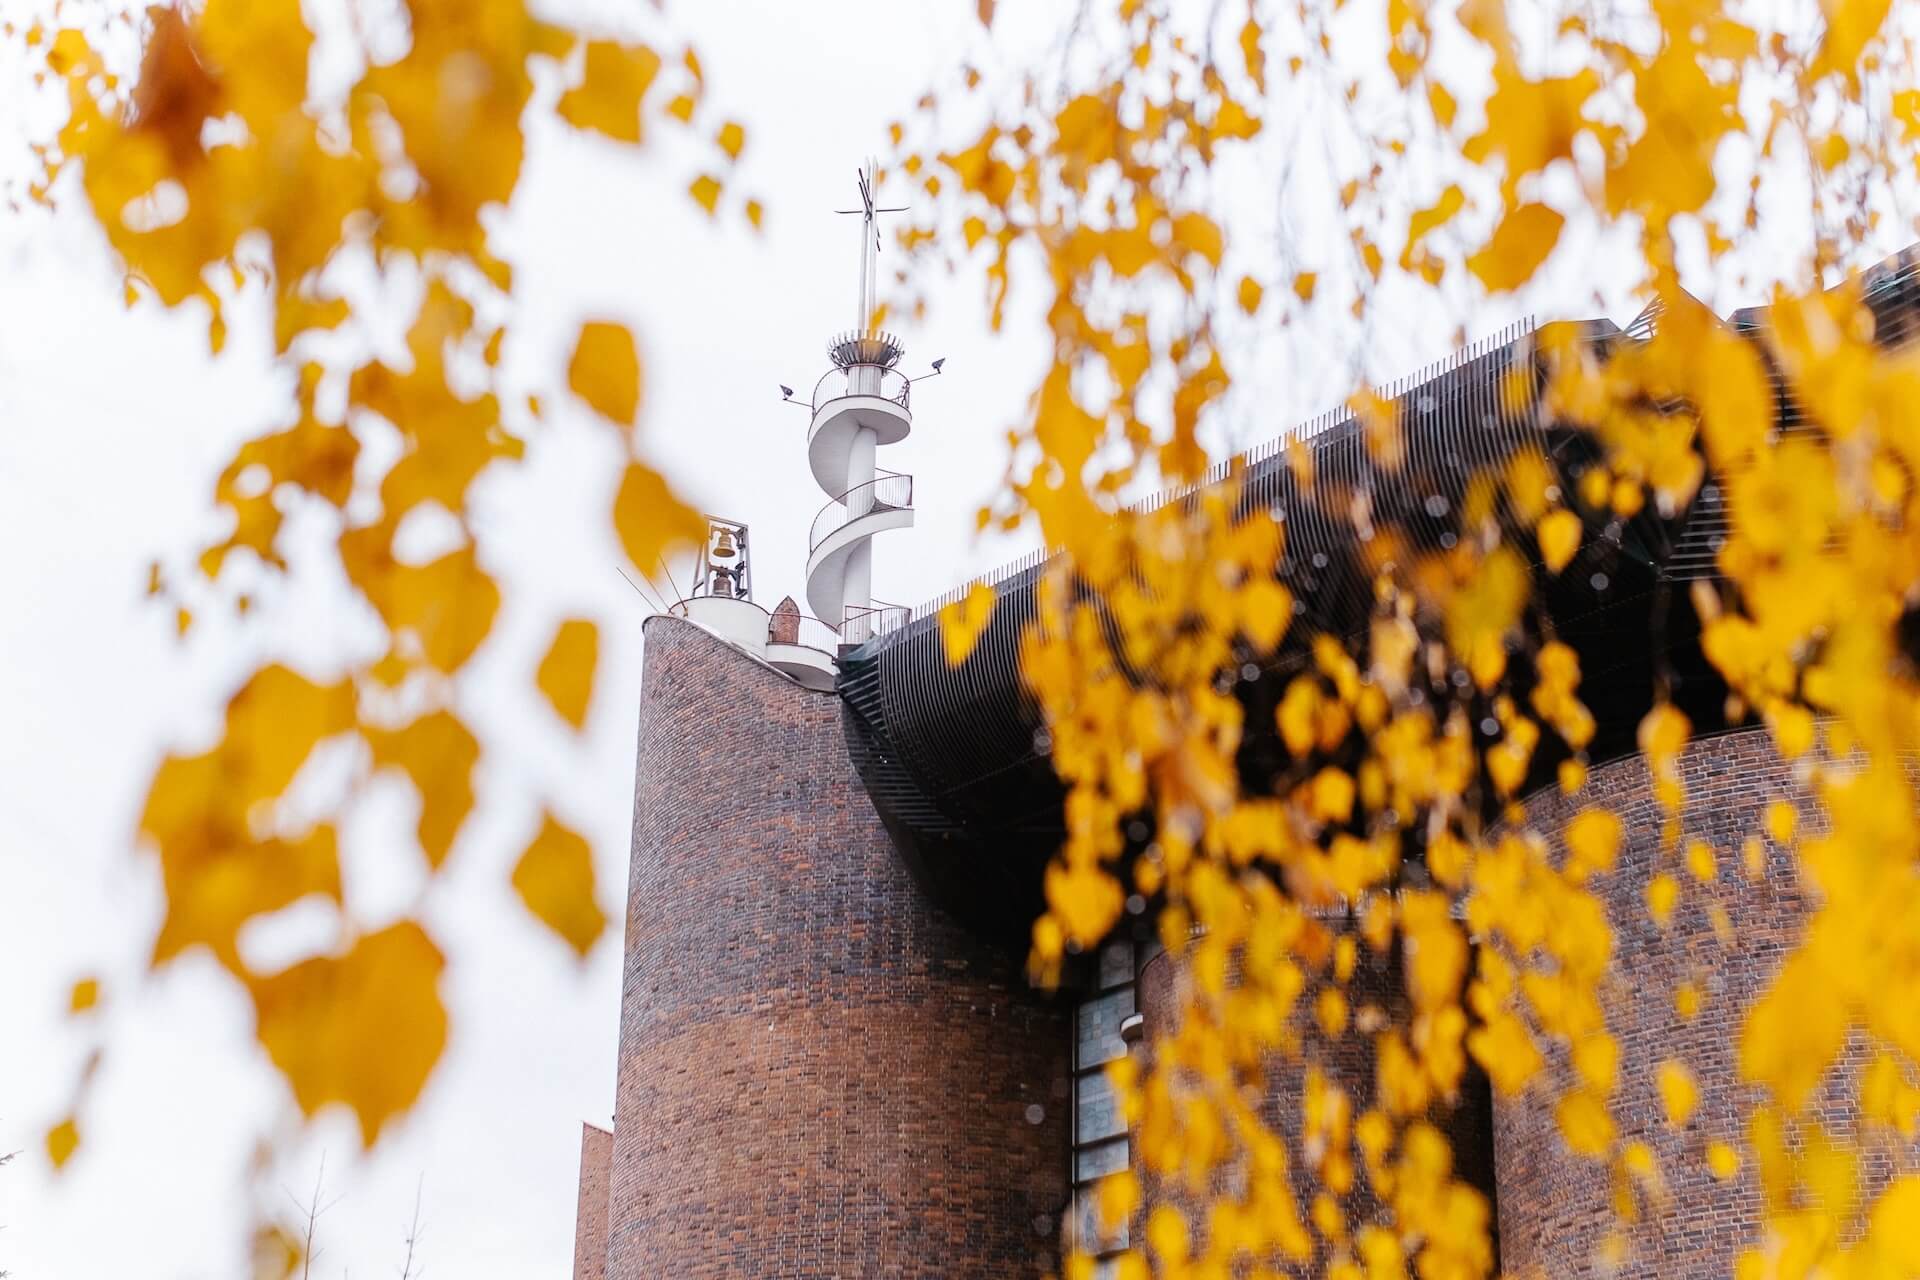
{"x": 955, "y": 757}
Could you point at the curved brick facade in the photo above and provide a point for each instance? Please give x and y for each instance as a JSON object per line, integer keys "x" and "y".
{"x": 1349, "y": 1063}
{"x": 1554, "y": 1206}
{"x": 590, "y": 1215}
{"x": 819, "y": 1074}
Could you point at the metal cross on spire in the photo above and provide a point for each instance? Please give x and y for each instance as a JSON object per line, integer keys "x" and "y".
{"x": 869, "y": 242}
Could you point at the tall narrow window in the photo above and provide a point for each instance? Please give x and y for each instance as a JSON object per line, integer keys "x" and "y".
{"x": 1099, "y": 1130}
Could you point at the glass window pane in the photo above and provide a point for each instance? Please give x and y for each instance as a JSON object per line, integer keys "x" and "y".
{"x": 1084, "y": 1224}
{"x": 1099, "y": 1160}
{"x": 1096, "y": 1112}
{"x": 1097, "y": 1028}
{"x": 1116, "y": 964}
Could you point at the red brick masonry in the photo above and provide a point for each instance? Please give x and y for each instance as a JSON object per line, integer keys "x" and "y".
{"x": 1553, "y": 1206}
{"x": 1552, "y": 1209}
{"x": 590, "y": 1218}
{"x": 819, "y": 1074}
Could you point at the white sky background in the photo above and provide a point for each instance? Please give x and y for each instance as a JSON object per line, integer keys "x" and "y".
{"x": 113, "y": 425}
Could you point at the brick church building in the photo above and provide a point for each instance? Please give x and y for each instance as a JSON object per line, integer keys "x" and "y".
{"x": 831, "y": 1063}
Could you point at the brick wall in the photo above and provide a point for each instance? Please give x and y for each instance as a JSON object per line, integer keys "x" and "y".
{"x": 1554, "y": 1207}
{"x": 819, "y": 1074}
{"x": 590, "y": 1217}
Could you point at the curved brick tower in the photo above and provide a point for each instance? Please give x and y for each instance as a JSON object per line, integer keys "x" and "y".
{"x": 1554, "y": 1206}
{"x": 820, "y": 1074}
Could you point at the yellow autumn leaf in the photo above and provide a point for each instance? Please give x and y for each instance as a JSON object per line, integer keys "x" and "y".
{"x": 1519, "y": 245}
{"x": 1584, "y": 1123}
{"x": 1596, "y": 1059}
{"x": 1792, "y": 727}
{"x": 1119, "y": 1196}
{"x": 1506, "y": 1051}
{"x": 650, "y": 520}
{"x": 1483, "y": 612}
{"x": 1678, "y": 1093}
{"x": 449, "y": 604}
{"x": 437, "y": 752}
{"x": 1887, "y": 1098}
{"x": 555, "y": 880}
{"x": 1253, "y": 55}
{"x": 274, "y": 722}
{"x": 1735, "y": 394}
{"x": 1086, "y": 900}
{"x": 1663, "y": 732}
{"x": 1167, "y": 1235}
{"x": 85, "y": 995}
{"x": 1330, "y": 1012}
{"x": 1330, "y": 796}
{"x": 1593, "y": 841}
{"x": 1781, "y": 821}
{"x": 1303, "y": 285}
{"x": 605, "y": 370}
{"x": 215, "y": 885}
{"x": 62, "y": 1141}
{"x": 1250, "y": 294}
{"x": 1266, "y": 610}
{"x": 1199, "y": 234}
{"x": 1891, "y": 1225}
{"x": 364, "y": 1029}
{"x": 1700, "y": 861}
{"x": 1559, "y": 534}
{"x": 1793, "y": 1031}
{"x": 731, "y": 138}
{"x": 1298, "y": 715}
{"x": 1424, "y": 221}
{"x": 1722, "y": 1160}
{"x": 275, "y": 1253}
{"x": 1851, "y": 25}
{"x": 1663, "y": 894}
{"x": 609, "y": 98}
{"x": 705, "y": 191}
{"x": 566, "y": 673}
{"x": 963, "y": 621}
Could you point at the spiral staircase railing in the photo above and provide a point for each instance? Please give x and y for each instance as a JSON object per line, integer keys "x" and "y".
{"x": 887, "y": 491}
{"x": 863, "y": 380}
{"x": 864, "y": 622}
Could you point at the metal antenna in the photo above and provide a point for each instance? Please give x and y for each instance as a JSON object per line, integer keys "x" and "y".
{"x": 652, "y": 602}
{"x": 869, "y": 240}
{"x": 662, "y": 557}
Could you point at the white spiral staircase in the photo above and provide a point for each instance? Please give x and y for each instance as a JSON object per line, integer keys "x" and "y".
{"x": 862, "y": 403}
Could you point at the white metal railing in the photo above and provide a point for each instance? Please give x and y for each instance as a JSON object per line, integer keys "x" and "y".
{"x": 863, "y": 380}
{"x": 802, "y": 629}
{"x": 867, "y": 621}
{"x": 887, "y": 491}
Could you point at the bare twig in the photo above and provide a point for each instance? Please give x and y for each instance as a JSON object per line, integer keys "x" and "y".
{"x": 313, "y": 1210}
{"x": 413, "y": 1235}
{"x": 6, "y": 1158}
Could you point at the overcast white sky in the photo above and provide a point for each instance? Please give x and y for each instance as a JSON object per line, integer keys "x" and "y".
{"x": 112, "y": 427}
